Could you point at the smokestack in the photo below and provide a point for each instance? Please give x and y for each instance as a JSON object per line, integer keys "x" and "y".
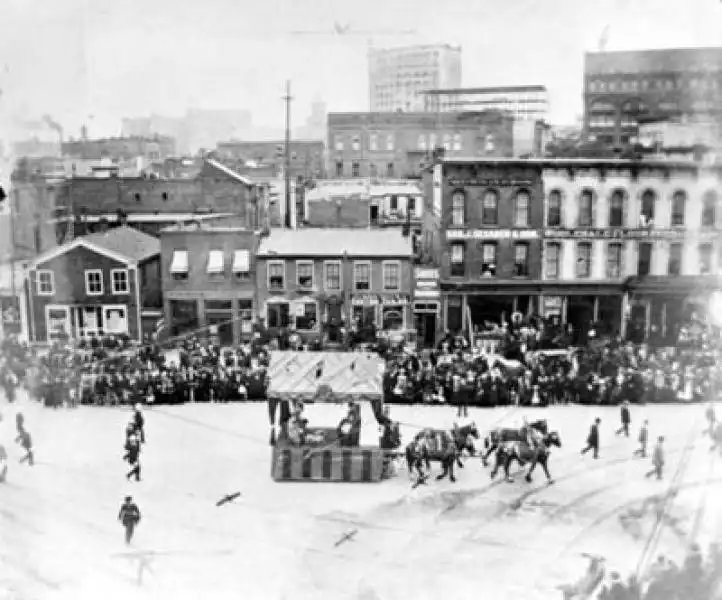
{"x": 54, "y": 125}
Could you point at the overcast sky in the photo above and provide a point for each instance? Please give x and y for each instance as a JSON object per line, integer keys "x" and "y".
{"x": 74, "y": 58}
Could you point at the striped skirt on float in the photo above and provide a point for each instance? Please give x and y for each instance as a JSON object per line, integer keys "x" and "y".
{"x": 328, "y": 464}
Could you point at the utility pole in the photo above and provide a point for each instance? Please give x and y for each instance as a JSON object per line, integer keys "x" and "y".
{"x": 287, "y": 171}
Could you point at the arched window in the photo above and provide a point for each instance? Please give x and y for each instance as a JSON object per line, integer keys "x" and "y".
{"x": 709, "y": 209}
{"x": 521, "y": 209}
{"x": 554, "y": 209}
{"x": 586, "y": 208}
{"x": 646, "y": 216}
{"x": 679, "y": 204}
{"x": 616, "y": 209}
{"x": 490, "y": 208}
{"x": 458, "y": 209}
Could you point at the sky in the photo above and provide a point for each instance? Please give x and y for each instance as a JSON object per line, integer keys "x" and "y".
{"x": 89, "y": 62}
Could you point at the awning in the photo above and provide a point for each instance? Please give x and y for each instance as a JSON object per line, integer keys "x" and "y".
{"x": 241, "y": 261}
{"x": 179, "y": 263}
{"x": 215, "y": 261}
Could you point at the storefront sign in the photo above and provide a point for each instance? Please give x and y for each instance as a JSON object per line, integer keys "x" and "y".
{"x": 495, "y": 234}
{"x": 552, "y": 305}
{"x": 430, "y": 274}
{"x": 489, "y": 182}
{"x": 427, "y": 294}
{"x": 625, "y": 234}
{"x": 376, "y": 299}
{"x": 427, "y": 283}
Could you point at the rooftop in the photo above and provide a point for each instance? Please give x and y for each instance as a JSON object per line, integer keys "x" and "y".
{"x": 126, "y": 241}
{"x": 510, "y": 89}
{"x": 654, "y": 61}
{"x": 335, "y": 242}
{"x": 559, "y": 163}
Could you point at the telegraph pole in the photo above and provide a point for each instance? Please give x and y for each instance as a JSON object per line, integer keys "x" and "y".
{"x": 287, "y": 171}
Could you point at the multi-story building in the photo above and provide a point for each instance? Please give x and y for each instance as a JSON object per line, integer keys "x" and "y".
{"x": 631, "y": 246}
{"x": 317, "y": 280}
{"x": 156, "y": 148}
{"x": 394, "y": 145}
{"x": 209, "y": 280}
{"x": 398, "y": 76}
{"x": 482, "y": 231}
{"x": 525, "y": 102}
{"x": 307, "y": 156}
{"x": 623, "y": 88}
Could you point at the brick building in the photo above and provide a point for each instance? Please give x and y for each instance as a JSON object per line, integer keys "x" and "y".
{"x": 314, "y": 280}
{"x": 209, "y": 280}
{"x": 155, "y": 148}
{"x": 393, "y": 145}
{"x": 96, "y": 285}
{"x": 307, "y": 156}
{"x": 622, "y": 89}
{"x": 482, "y": 230}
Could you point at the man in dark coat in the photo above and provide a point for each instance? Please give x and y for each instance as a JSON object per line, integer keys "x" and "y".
{"x": 132, "y": 455}
{"x": 593, "y": 438}
{"x": 626, "y": 419}
{"x": 129, "y": 516}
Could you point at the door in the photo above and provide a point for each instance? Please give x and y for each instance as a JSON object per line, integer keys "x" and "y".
{"x": 428, "y": 330}
{"x": 374, "y": 214}
{"x": 57, "y": 322}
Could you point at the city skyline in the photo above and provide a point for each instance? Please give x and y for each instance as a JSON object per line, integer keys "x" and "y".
{"x": 133, "y": 59}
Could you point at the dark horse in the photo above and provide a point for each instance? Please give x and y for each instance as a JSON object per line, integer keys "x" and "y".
{"x": 523, "y": 453}
{"x": 445, "y": 447}
{"x": 508, "y": 434}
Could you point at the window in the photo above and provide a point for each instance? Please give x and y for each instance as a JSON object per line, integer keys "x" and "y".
{"x": 390, "y": 141}
{"x": 422, "y": 142}
{"x": 554, "y": 209}
{"x": 644, "y": 261}
{"x": 215, "y": 262}
{"x": 674, "y": 266}
{"x": 338, "y": 143}
{"x": 646, "y": 217}
{"x": 432, "y": 141}
{"x": 490, "y": 208}
{"x": 276, "y": 275}
{"x": 241, "y": 264}
{"x": 115, "y": 319}
{"x": 339, "y": 168}
{"x": 390, "y": 169}
{"x": 679, "y": 201}
{"x": 356, "y": 142}
{"x": 709, "y": 209}
{"x": 488, "y": 259}
{"x": 584, "y": 260}
{"x": 458, "y": 266}
{"x": 306, "y": 316}
{"x": 119, "y": 281}
{"x": 392, "y": 275}
{"x": 411, "y": 207}
{"x": 616, "y": 209}
{"x": 46, "y": 283}
{"x": 458, "y": 209}
{"x": 362, "y": 276}
{"x": 373, "y": 170}
{"x": 304, "y": 274}
{"x": 457, "y": 142}
{"x": 94, "y": 282}
{"x": 447, "y": 142}
{"x": 586, "y": 209}
{"x": 373, "y": 141}
{"x": 392, "y": 318}
{"x": 705, "y": 259}
{"x": 552, "y": 260}
{"x": 521, "y": 260}
{"x": 614, "y": 261}
{"x": 179, "y": 265}
{"x": 332, "y": 276}
{"x": 278, "y": 314}
{"x": 355, "y": 169}
{"x": 521, "y": 209}
{"x": 394, "y": 203}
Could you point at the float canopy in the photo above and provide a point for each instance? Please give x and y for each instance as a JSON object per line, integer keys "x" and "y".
{"x": 325, "y": 376}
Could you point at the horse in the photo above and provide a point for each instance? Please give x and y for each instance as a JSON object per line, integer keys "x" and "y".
{"x": 443, "y": 446}
{"x": 507, "y": 434}
{"x": 523, "y": 453}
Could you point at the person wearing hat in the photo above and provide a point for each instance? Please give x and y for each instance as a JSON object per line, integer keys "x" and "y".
{"x": 626, "y": 419}
{"x": 593, "y": 438}
{"x": 139, "y": 422}
{"x": 132, "y": 455}
{"x": 129, "y": 516}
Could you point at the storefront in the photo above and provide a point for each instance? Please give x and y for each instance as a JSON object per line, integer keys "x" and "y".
{"x": 427, "y": 305}
{"x": 387, "y": 312}
{"x": 303, "y": 314}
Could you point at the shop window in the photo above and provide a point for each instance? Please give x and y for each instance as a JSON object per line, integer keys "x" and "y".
{"x": 278, "y": 314}
{"x": 364, "y": 316}
{"x": 646, "y": 217}
{"x": 705, "y": 259}
{"x": 458, "y": 209}
{"x": 392, "y": 276}
{"x": 614, "y": 261}
{"x": 584, "y": 260}
{"x": 392, "y": 317}
{"x": 552, "y": 260}
{"x": 488, "y": 259}
{"x": 304, "y": 274}
{"x": 644, "y": 260}
{"x": 679, "y": 203}
{"x": 554, "y": 209}
{"x": 308, "y": 319}
{"x": 490, "y": 208}
{"x": 183, "y": 317}
{"x": 586, "y": 209}
{"x": 521, "y": 209}
{"x": 709, "y": 209}
{"x": 276, "y": 275}
{"x": 521, "y": 260}
{"x": 674, "y": 265}
{"x": 458, "y": 259}
{"x": 616, "y": 209}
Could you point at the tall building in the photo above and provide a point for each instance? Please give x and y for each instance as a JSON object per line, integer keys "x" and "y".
{"x": 622, "y": 89}
{"x": 525, "y": 102}
{"x": 399, "y": 76}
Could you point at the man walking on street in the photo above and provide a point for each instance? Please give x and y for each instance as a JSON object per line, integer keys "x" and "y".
{"x": 132, "y": 455}
{"x": 27, "y": 444}
{"x": 657, "y": 459}
{"x": 129, "y": 516}
{"x": 626, "y": 419}
{"x": 643, "y": 437}
{"x": 593, "y": 438}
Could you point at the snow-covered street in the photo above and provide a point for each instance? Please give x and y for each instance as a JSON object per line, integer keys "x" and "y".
{"x": 60, "y": 538}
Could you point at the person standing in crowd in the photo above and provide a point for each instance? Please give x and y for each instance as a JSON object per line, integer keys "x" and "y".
{"x": 139, "y": 423}
{"x": 657, "y": 459}
{"x": 132, "y": 455}
{"x": 643, "y": 437}
{"x": 27, "y": 444}
{"x": 593, "y": 439}
{"x": 129, "y": 516}
{"x": 626, "y": 419}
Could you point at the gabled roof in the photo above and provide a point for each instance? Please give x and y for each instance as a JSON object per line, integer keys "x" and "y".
{"x": 370, "y": 243}
{"x": 123, "y": 244}
{"x": 229, "y": 172}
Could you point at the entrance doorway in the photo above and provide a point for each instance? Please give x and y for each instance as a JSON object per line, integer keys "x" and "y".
{"x": 374, "y": 215}
{"x": 580, "y": 314}
{"x": 426, "y": 328}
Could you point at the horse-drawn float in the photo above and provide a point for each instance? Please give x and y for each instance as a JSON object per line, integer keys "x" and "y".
{"x": 327, "y": 453}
